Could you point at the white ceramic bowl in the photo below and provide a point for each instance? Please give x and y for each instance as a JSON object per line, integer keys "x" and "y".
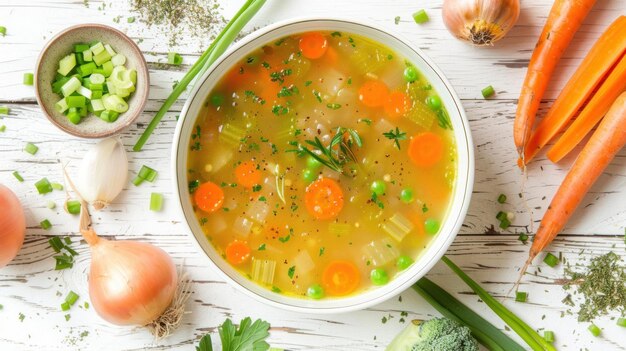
{"x": 462, "y": 190}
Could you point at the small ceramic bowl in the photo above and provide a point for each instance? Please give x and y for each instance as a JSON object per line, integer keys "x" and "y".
{"x": 462, "y": 188}
{"x": 61, "y": 45}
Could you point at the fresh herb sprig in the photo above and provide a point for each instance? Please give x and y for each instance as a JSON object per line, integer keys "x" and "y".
{"x": 396, "y": 136}
{"x": 338, "y": 152}
{"x": 248, "y": 336}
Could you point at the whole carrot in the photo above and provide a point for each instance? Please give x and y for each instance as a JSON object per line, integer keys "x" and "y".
{"x": 564, "y": 19}
{"x": 604, "y": 144}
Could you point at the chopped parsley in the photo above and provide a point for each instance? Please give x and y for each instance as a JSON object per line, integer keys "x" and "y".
{"x": 261, "y": 247}
{"x": 291, "y": 271}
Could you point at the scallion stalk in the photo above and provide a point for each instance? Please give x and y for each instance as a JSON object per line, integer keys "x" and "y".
{"x": 156, "y": 202}
{"x": 31, "y": 148}
{"x": 217, "y": 48}
{"x": 17, "y": 176}
{"x": 551, "y": 260}
{"x": 595, "y": 330}
{"x": 4, "y": 110}
{"x": 528, "y": 334}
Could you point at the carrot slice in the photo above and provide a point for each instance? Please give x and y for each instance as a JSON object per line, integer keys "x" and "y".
{"x": 247, "y": 174}
{"x": 313, "y": 45}
{"x": 593, "y": 112}
{"x": 397, "y": 104}
{"x": 426, "y": 149}
{"x": 373, "y": 93}
{"x": 209, "y": 197}
{"x": 340, "y": 278}
{"x": 595, "y": 66}
{"x": 605, "y": 143}
{"x": 237, "y": 252}
{"x": 563, "y": 21}
{"x": 324, "y": 198}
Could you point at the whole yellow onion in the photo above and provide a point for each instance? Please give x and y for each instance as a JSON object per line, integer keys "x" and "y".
{"x": 12, "y": 225}
{"x": 480, "y": 22}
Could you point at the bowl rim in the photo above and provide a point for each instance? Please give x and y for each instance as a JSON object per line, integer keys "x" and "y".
{"x": 143, "y": 66}
{"x": 457, "y": 216}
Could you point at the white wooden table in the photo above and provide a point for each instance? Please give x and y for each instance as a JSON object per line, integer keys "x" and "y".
{"x": 31, "y": 287}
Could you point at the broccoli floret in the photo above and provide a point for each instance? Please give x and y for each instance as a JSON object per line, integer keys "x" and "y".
{"x": 438, "y": 334}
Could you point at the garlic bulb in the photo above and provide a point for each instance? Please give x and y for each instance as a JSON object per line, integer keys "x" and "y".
{"x": 481, "y": 22}
{"x": 103, "y": 173}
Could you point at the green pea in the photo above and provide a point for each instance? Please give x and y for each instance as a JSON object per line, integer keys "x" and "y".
{"x": 309, "y": 175}
{"x": 315, "y": 291}
{"x": 410, "y": 74}
{"x": 406, "y": 195}
{"x": 404, "y": 262}
{"x": 378, "y": 276}
{"x": 431, "y": 226}
{"x": 434, "y": 102}
{"x": 217, "y": 99}
{"x": 312, "y": 163}
{"x": 378, "y": 187}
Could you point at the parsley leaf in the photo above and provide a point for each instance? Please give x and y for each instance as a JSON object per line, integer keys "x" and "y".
{"x": 249, "y": 336}
{"x": 395, "y": 136}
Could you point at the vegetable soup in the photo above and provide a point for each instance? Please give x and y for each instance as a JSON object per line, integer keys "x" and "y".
{"x": 321, "y": 165}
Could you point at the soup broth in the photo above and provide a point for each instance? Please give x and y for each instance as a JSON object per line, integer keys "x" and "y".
{"x": 321, "y": 165}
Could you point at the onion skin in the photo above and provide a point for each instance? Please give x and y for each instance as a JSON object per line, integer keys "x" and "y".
{"x": 480, "y": 22}
{"x": 130, "y": 282}
{"x": 12, "y": 225}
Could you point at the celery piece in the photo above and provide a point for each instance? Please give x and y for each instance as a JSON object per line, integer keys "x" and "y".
{"x": 84, "y": 92}
{"x": 97, "y": 105}
{"x": 107, "y": 68}
{"x": 61, "y": 105}
{"x": 86, "y": 69}
{"x": 263, "y": 271}
{"x": 115, "y": 103}
{"x": 97, "y": 48}
{"x": 87, "y": 56}
{"x": 70, "y": 86}
{"x": 67, "y": 64}
{"x": 110, "y": 50}
{"x": 109, "y": 116}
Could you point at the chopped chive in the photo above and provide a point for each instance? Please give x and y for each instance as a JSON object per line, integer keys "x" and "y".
{"x": 501, "y": 216}
{"x": 130, "y": 20}
{"x": 3, "y": 30}
{"x": 31, "y": 148}
{"x": 71, "y": 251}
{"x": 73, "y": 207}
{"x": 56, "y": 244}
{"x": 28, "y": 79}
{"x": 505, "y": 223}
{"x": 174, "y": 59}
{"x": 549, "y": 336}
{"x": 65, "y": 306}
{"x": 71, "y": 298}
{"x": 595, "y": 331}
{"x": 137, "y": 181}
{"x": 333, "y": 106}
{"x": 45, "y": 224}
{"x": 146, "y": 173}
{"x": 50, "y": 204}
{"x": 488, "y": 91}
{"x": 551, "y": 260}
{"x": 420, "y": 17}
{"x": 17, "y": 176}
{"x": 501, "y": 199}
{"x": 156, "y": 202}
{"x": 521, "y": 296}
{"x": 523, "y": 237}
{"x": 3, "y": 128}
{"x": 43, "y": 186}
{"x": 621, "y": 322}
{"x": 67, "y": 317}
{"x": 57, "y": 186}
{"x": 4, "y": 110}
